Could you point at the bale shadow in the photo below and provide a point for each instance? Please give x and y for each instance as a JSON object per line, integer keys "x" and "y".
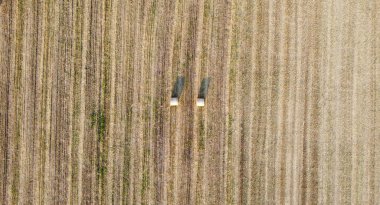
{"x": 178, "y": 87}
{"x": 204, "y": 88}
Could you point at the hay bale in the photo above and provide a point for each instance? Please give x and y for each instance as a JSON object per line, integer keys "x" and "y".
{"x": 200, "y": 102}
{"x": 174, "y": 102}
{"x": 177, "y": 90}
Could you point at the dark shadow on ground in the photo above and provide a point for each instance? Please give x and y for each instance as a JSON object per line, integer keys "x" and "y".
{"x": 178, "y": 87}
{"x": 204, "y": 88}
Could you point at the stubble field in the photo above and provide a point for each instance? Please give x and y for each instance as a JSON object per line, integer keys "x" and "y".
{"x": 291, "y": 117}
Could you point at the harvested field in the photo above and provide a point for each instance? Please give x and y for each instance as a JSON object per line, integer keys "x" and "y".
{"x": 292, "y": 114}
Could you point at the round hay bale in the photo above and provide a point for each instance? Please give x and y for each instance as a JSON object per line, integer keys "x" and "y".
{"x": 200, "y": 102}
{"x": 174, "y": 102}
